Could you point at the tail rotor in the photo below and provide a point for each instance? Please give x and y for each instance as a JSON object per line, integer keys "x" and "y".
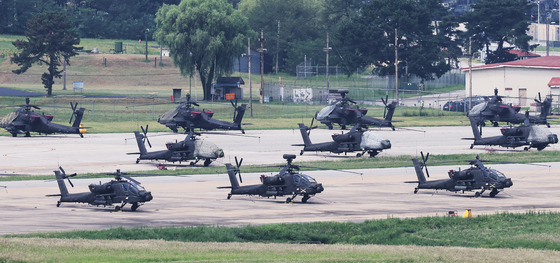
{"x": 145, "y": 135}
{"x": 238, "y": 164}
{"x": 74, "y": 106}
{"x": 64, "y": 176}
{"x": 385, "y": 103}
{"x": 424, "y": 160}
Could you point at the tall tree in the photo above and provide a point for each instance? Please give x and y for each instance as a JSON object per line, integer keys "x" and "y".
{"x": 500, "y": 21}
{"x": 286, "y": 24}
{"x": 368, "y": 38}
{"x": 203, "y": 36}
{"x": 51, "y": 38}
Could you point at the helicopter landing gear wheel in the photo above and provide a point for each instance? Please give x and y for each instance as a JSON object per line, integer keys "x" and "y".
{"x": 58, "y": 204}
{"x": 288, "y": 200}
{"x": 228, "y": 196}
{"x": 134, "y": 206}
{"x": 192, "y": 163}
{"x": 117, "y": 208}
{"x": 14, "y": 134}
{"x": 330, "y": 126}
{"x": 494, "y": 192}
{"x": 305, "y": 198}
{"x": 301, "y": 152}
{"x": 526, "y": 148}
{"x": 81, "y": 135}
{"x": 207, "y": 162}
{"x": 27, "y": 134}
{"x": 342, "y": 126}
{"x": 137, "y": 160}
{"x": 359, "y": 155}
{"x": 415, "y": 190}
{"x": 472, "y": 145}
{"x": 477, "y": 194}
{"x": 373, "y": 154}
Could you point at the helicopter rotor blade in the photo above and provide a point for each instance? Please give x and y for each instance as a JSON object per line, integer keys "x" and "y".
{"x": 130, "y": 179}
{"x": 238, "y": 171}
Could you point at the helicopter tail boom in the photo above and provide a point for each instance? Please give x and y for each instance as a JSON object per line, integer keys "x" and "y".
{"x": 474, "y": 126}
{"x": 240, "y": 112}
{"x": 390, "y": 110}
{"x": 61, "y": 184}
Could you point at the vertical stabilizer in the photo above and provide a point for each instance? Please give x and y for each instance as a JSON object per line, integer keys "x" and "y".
{"x": 474, "y": 126}
{"x": 390, "y": 111}
{"x": 61, "y": 184}
{"x": 545, "y": 107}
{"x": 304, "y": 135}
{"x": 140, "y": 143}
{"x": 419, "y": 172}
{"x": 240, "y": 112}
{"x": 79, "y": 115}
{"x": 231, "y": 173}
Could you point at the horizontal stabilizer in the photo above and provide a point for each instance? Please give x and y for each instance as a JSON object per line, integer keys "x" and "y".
{"x": 412, "y": 182}
{"x": 54, "y": 195}
{"x": 472, "y": 139}
{"x": 224, "y": 187}
{"x": 133, "y": 153}
{"x": 298, "y": 144}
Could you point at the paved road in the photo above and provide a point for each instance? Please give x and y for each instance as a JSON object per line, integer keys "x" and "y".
{"x": 194, "y": 200}
{"x": 107, "y": 152}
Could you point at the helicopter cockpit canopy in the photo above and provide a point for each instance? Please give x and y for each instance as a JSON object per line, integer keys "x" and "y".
{"x": 495, "y": 174}
{"x": 477, "y": 109}
{"x": 304, "y": 179}
{"x": 324, "y": 113}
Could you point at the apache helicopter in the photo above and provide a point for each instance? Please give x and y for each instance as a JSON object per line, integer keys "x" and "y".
{"x": 477, "y": 177}
{"x": 25, "y": 120}
{"x": 188, "y": 149}
{"x": 289, "y": 181}
{"x": 343, "y": 114}
{"x": 118, "y": 192}
{"x": 496, "y": 111}
{"x": 357, "y": 139}
{"x": 189, "y": 118}
{"x": 526, "y": 134}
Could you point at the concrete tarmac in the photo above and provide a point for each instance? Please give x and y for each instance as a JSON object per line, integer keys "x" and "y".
{"x": 194, "y": 200}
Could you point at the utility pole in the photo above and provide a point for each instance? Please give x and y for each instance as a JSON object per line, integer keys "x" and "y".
{"x": 470, "y": 73}
{"x": 248, "y": 55}
{"x": 262, "y": 50}
{"x": 146, "y": 37}
{"x": 396, "y": 68}
{"x": 327, "y": 49}
{"x": 278, "y": 46}
{"x": 64, "y": 70}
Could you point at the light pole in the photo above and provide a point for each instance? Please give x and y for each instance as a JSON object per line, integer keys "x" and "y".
{"x": 146, "y": 37}
{"x": 539, "y": 20}
{"x": 248, "y": 55}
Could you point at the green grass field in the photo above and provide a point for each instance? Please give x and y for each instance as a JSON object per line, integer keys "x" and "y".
{"x": 529, "y": 237}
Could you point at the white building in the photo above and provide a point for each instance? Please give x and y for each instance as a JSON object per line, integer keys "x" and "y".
{"x": 520, "y": 80}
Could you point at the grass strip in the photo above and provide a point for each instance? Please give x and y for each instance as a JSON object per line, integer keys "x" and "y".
{"x": 531, "y": 230}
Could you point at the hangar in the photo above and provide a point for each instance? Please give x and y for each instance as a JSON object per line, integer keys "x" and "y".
{"x": 519, "y": 80}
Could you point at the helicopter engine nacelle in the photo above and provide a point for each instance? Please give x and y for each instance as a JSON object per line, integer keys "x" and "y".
{"x": 460, "y": 175}
{"x": 343, "y": 137}
{"x": 363, "y": 111}
{"x": 174, "y": 146}
{"x": 272, "y": 180}
{"x": 511, "y": 132}
{"x": 101, "y": 188}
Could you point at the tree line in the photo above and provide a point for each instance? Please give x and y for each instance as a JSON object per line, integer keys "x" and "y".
{"x": 203, "y": 35}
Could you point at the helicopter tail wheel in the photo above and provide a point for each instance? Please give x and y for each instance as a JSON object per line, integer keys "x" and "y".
{"x": 494, "y": 192}
{"x": 14, "y": 134}
{"x": 137, "y": 160}
{"x": 81, "y": 135}
{"x": 359, "y": 155}
{"x": 117, "y": 208}
{"x": 330, "y": 126}
{"x": 135, "y": 206}
{"x": 301, "y": 152}
{"x": 472, "y": 145}
{"x": 228, "y": 196}
{"x": 415, "y": 190}
{"x": 58, "y": 204}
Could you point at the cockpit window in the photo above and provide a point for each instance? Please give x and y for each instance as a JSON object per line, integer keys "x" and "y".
{"x": 496, "y": 174}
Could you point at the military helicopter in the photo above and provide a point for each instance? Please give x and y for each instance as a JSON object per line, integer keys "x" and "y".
{"x": 343, "y": 114}
{"x": 118, "y": 192}
{"x": 188, "y": 149}
{"x": 477, "y": 177}
{"x": 189, "y": 118}
{"x": 496, "y": 111}
{"x": 358, "y": 139}
{"x": 289, "y": 181}
{"x": 527, "y": 135}
{"x": 25, "y": 120}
